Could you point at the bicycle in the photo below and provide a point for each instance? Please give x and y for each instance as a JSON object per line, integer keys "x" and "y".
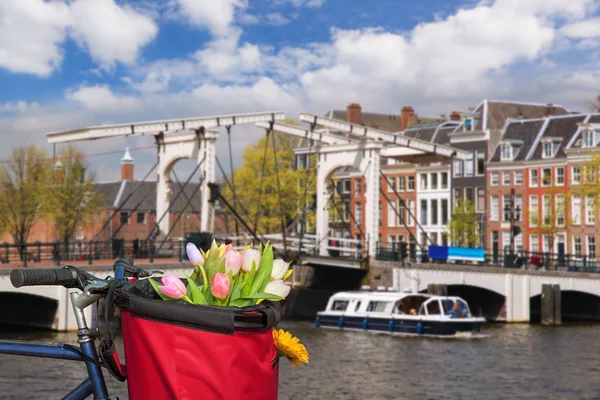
{"x": 93, "y": 289}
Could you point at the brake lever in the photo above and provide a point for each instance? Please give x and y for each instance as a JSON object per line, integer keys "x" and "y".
{"x": 96, "y": 287}
{"x": 147, "y": 273}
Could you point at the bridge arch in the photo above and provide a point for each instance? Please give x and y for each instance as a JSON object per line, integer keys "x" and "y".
{"x": 575, "y": 306}
{"x": 26, "y": 310}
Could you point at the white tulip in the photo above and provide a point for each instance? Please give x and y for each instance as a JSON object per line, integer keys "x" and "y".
{"x": 278, "y": 288}
{"x": 280, "y": 268}
{"x": 248, "y": 257}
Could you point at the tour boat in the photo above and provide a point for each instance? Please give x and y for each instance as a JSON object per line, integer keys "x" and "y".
{"x": 400, "y": 313}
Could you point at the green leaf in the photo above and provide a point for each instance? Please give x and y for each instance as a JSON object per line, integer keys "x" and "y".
{"x": 264, "y": 272}
{"x": 163, "y": 296}
{"x": 249, "y": 281}
{"x": 231, "y": 283}
{"x": 241, "y": 303}
{"x": 197, "y": 296}
{"x": 237, "y": 287}
{"x": 263, "y": 296}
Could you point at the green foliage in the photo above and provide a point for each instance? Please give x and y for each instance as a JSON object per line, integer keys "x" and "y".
{"x": 247, "y": 180}
{"x": 23, "y": 191}
{"x": 463, "y": 228}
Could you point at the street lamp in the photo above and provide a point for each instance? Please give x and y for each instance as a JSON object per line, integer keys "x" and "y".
{"x": 514, "y": 215}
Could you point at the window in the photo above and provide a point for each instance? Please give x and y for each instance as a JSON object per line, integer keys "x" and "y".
{"x": 494, "y": 179}
{"x": 546, "y": 176}
{"x": 357, "y": 306}
{"x": 506, "y": 178}
{"x": 575, "y": 175}
{"x": 576, "y": 209}
{"x": 560, "y": 210}
{"x": 346, "y": 185}
{"x": 468, "y": 124}
{"x": 401, "y": 212}
{"x": 391, "y": 241}
{"x": 444, "y": 180}
{"x": 423, "y": 212}
{"x": 301, "y": 161}
{"x": 401, "y": 184}
{"x": 434, "y": 181}
{"x": 547, "y": 209}
{"x": 480, "y": 163}
{"x": 433, "y": 308}
{"x": 506, "y": 152}
{"x": 469, "y": 195}
{"x": 533, "y": 178}
{"x": 391, "y": 215}
{"x": 506, "y": 207}
{"x": 411, "y": 183}
{"x": 434, "y": 237}
{"x": 141, "y": 218}
{"x": 494, "y": 210}
{"x": 519, "y": 205}
{"x": 560, "y": 176}
{"x": 591, "y": 246}
{"x": 434, "y": 212}
{"x": 457, "y": 195}
{"x": 518, "y": 177}
{"x": 469, "y": 165}
{"x": 423, "y": 181}
{"x": 358, "y": 213}
{"x": 377, "y": 306}
{"x": 533, "y": 210}
{"x": 519, "y": 242}
{"x": 444, "y": 211}
{"x": 480, "y": 199}
{"x": 548, "y": 150}
{"x": 458, "y": 168}
{"x": 379, "y": 216}
{"x": 391, "y": 184}
{"x": 590, "y": 218}
{"x": 534, "y": 245}
{"x": 357, "y": 184}
{"x": 124, "y": 217}
{"x": 339, "y": 305}
{"x": 577, "y": 246}
{"x": 412, "y": 212}
{"x": 588, "y": 139}
{"x": 506, "y": 240}
{"x": 98, "y": 216}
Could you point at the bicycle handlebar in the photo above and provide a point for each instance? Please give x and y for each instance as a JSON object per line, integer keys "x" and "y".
{"x": 44, "y": 276}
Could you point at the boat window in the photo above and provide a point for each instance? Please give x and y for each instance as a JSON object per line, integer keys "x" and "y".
{"x": 409, "y": 305}
{"x": 377, "y": 306}
{"x": 339, "y": 305}
{"x": 460, "y": 311}
{"x": 433, "y": 308}
{"x": 357, "y": 307}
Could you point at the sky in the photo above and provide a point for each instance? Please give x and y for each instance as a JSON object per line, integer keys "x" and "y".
{"x": 69, "y": 64}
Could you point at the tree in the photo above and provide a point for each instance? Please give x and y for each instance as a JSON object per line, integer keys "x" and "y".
{"x": 262, "y": 200}
{"x": 463, "y": 227}
{"x": 594, "y": 105}
{"x": 23, "y": 191}
{"x": 71, "y": 196}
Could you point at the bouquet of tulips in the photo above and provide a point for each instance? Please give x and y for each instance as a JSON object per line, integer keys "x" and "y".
{"x": 225, "y": 277}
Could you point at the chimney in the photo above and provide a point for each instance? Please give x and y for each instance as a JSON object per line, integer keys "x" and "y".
{"x": 59, "y": 173}
{"x": 455, "y": 116}
{"x": 373, "y": 125}
{"x": 127, "y": 166}
{"x": 353, "y": 114}
{"x": 550, "y": 110}
{"x": 406, "y": 114}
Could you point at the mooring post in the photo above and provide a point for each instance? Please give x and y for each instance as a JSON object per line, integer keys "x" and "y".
{"x": 551, "y": 304}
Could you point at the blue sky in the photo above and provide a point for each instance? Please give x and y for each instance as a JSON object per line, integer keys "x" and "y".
{"x": 66, "y": 64}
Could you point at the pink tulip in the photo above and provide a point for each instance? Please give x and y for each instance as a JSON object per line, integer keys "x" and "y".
{"x": 173, "y": 287}
{"x": 219, "y": 286}
{"x": 194, "y": 254}
{"x": 248, "y": 257}
{"x": 229, "y": 247}
{"x": 233, "y": 261}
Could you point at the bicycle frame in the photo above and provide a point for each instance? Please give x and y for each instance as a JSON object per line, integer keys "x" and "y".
{"x": 94, "y": 384}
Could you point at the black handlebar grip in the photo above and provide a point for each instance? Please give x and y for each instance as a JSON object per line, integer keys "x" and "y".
{"x": 43, "y": 276}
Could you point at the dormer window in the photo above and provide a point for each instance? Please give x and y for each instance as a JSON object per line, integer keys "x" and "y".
{"x": 588, "y": 139}
{"x": 468, "y": 124}
{"x": 548, "y": 149}
{"x": 506, "y": 154}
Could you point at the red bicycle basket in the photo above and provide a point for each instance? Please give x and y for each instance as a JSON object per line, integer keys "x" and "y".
{"x": 176, "y": 350}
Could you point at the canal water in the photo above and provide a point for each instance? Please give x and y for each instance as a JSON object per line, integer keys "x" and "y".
{"x": 512, "y": 362}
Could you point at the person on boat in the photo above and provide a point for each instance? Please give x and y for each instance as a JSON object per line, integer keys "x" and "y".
{"x": 456, "y": 311}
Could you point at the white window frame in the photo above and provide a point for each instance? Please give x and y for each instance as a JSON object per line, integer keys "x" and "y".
{"x": 534, "y": 210}
{"x": 560, "y": 177}
{"x": 549, "y": 180}
{"x": 458, "y": 168}
{"x": 518, "y": 178}
{"x": 494, "y": 208}
{"x": 391, "y": 182}
{"x": 546, "y": 207}
{"x": 505, "y": 182}
{"x": 590, "y": 215}
{"x": 494, "y": 179}
{"x": 532, "y": 177}
{"x": 548, "y": 149}
{"x": 577, "y": 249}
{"x": 534, "y": 238}
{"x": 506, "y": 152}
{"x": 576, "y": 175}
{"x": 391, "y": 216}
{"x": 591, "y": 244}
{"x": 576, "y": 209}
{"x": 401, "y": 186}
{"x": 470, "y": 165}
{"x": 589, "y": 139}
{"x": 413, "y": 212}
{"x": 408, "y": 183}
{"x": 559, "y": 204}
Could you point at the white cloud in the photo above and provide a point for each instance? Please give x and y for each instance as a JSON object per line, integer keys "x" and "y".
{"x": 217, "y": 16}
{"x": 276, "y": 19}
{"x": 100, "y": 98}
{"x": 302, "y": 3}
{"x": 585, "y": 29}
{"x": 16, "y": 106}
{"x": 31, "y": 35}
{"x": 111, "y": 33}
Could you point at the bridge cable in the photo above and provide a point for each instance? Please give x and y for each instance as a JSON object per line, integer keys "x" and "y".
{"x": 188, "y": 199}
{"x": 281, "y": 210}
{"x": 237, "y": 230}
{"x": 349, "y": 212}
{"x": 262, "y": 174}
{"x": 304, "y": 199}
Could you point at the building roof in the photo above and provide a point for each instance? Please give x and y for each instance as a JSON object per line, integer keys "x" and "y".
{"x": 576, "y": 141}
{"x": 385, "y": 122}
{"x": 129, "y": 194}
{"x": 524, "y": 130}
{"x": 559, "y": 130}
{"x": 436, "y": 132}
{"x": 492, "y": 114}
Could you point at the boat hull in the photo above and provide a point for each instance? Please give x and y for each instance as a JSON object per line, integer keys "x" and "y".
{"x": 410, "y": 327}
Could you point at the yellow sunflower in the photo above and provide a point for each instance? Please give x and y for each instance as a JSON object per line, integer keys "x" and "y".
{"x": 290, "y": 347}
